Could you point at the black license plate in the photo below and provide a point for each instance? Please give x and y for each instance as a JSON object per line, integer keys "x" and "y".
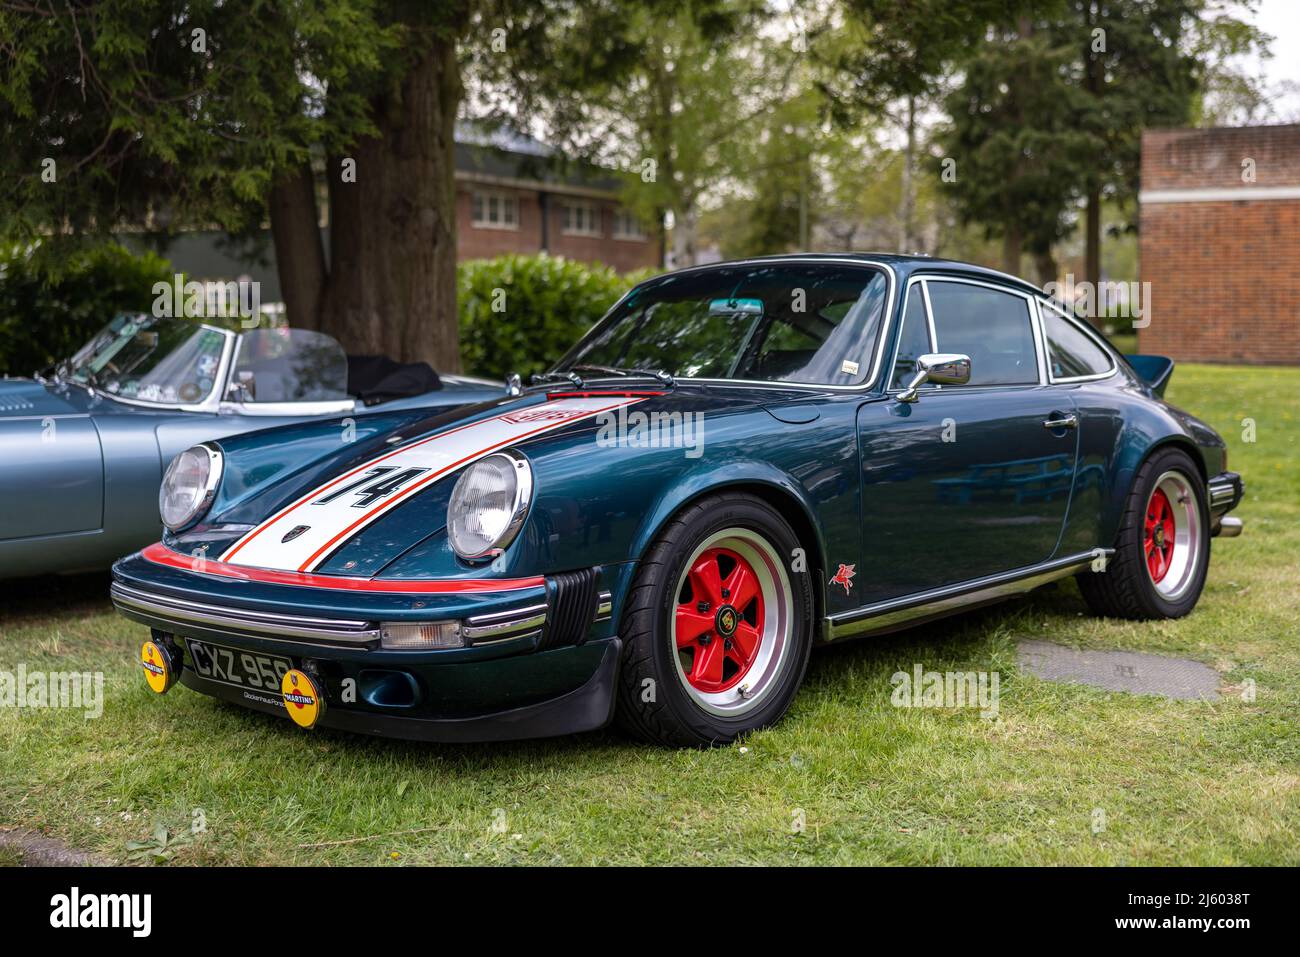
{"x": 242, "y": 669}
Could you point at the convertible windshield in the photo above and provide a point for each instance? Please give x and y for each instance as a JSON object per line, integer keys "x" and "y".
{"x": 168, "y": 361}
{"x": 809, "y": 322}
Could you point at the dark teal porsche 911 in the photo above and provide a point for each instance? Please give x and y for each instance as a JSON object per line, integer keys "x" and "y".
{"x": 738, "y": 462}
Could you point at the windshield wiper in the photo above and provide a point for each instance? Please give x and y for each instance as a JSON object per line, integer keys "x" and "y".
{"x": 664, "y": 377}
{"x": 539, "y": 377}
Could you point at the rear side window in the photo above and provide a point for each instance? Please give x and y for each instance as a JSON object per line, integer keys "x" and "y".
{"x": 991, "y": 327}
{"x": 1070, "y": 351}
{"x": 289, "y": 365}
{"x": 913, "y": 339}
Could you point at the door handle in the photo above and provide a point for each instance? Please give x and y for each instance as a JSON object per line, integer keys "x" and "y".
{"x": 1061, "y": 422}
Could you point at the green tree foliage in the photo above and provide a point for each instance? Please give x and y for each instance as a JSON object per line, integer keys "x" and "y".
{"x": 165, "y": 114}
{"x": 1050, "y": 112}
{"x": 45, "y": 318}
{"x": 521, "y": 313}
{"x": 673, "y": 91}
{"x": 782, "y": 188}
{"x": 1019, "y": 148}
{"x": 1222, "y": 43}
{"x": 889, "y": 60}
{"x": 155, "y": 113}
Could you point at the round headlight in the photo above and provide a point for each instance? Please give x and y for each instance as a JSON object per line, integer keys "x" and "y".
{"x": 488, "y": 504}
{"x": 189, "y": 486}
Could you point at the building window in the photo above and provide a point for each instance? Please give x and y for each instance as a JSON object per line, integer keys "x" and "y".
{"x": 627, "y": 226}
{"x": 494, "y": 210}
{"x": 581, "y": 219}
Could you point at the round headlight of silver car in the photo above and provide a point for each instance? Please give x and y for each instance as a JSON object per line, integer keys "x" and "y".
{"x": 488, "y": 505}
{"x": 189, "y": 486}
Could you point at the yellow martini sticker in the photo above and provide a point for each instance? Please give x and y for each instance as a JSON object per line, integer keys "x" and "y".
{"x": 159, "y": 671}
{"x": 302, "y": 699}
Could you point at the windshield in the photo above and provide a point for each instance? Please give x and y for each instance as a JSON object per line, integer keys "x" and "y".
{"x": 805, "y": 322}
{"x": 168, "y": 361}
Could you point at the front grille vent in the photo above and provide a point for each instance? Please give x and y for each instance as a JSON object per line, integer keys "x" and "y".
{"x": 572, "y": 597}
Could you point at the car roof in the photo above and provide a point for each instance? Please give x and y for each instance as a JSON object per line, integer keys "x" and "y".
{"x": 902, "y": 264}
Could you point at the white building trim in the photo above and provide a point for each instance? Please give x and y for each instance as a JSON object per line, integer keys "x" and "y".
{"x": 1219, "y": 194}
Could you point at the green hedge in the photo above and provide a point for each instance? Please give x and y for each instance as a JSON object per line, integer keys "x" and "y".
{"x": 46, "y": 313}
{"x": 521, "y": 313}
{"x": 543, "y": 304}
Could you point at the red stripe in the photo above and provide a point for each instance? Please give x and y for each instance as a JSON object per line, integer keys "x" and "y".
{"x": 416, "y": 486}
{"x": 602, "y": 393}
{"x": 160, "y": 554}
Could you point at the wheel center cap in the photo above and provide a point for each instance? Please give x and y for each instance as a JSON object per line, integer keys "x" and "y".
{"x": 1159, "y": 537}
{"x": 726, "y": 621}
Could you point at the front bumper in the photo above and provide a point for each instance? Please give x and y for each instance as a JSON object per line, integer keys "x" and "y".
{"x": 1225, "y": 492}
{"x": 537, "y": 662}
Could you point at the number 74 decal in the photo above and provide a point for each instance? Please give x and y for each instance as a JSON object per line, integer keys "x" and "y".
{"x": 373, "y": 485}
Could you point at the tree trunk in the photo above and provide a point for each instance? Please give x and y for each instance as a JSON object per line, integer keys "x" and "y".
{"x": 685, "y": 226}
{"x": 1092, "y": 242}
{"x": 392, "y": 278}
{"x": 299, "y": 254}
{"x": 1011, "y": 243}
{"x": 907, "y": 244}
{"x": 1096, "y": 85}
{"x": 1045, "y": 265}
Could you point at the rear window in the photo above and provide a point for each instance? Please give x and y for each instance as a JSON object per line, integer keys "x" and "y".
{"x": 1071, "y": 352}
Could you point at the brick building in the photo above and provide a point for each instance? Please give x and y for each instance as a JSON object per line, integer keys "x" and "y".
{"x": 514, "y": 194}
{"x": 1220, "y": 244}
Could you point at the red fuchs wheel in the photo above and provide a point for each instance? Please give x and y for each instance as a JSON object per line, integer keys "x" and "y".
{"x": 1171, "y": 535}
{"x": 1158, "y": 541}
{"x": 718, "y": 624}
{"x": 732, "y": 621}
{"x": 1162, "y": 544}
{"x": 719, "y": 620}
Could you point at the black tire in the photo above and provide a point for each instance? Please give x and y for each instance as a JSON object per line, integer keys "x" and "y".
{"x": 653, "y": 699}
{"x": 1126, "y": 588}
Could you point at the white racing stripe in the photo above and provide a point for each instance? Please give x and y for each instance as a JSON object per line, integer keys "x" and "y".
{"x": 304, "y": 534}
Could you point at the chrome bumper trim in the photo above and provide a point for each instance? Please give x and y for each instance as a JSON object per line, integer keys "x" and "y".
{"x": 487, "y": 629}
{"x": 498, "y": 626}
{"x": 178, "y": 612}
{"x": 1222, "y": 493}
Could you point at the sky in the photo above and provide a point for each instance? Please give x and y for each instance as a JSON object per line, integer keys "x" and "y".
{"x": 1281, "y": 18}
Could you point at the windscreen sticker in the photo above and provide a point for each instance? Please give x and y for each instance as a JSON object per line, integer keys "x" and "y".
{"x": 302, "y": 535}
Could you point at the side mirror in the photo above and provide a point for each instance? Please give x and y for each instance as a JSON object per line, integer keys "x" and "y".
{"x": 941, "y": 368}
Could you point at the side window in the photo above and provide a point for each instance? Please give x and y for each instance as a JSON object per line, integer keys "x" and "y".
{"x": 289, "y": 365}
{"x": 991, "y": 327}
{"x": 913, "y": 338}
{"x": 1070, "y": 352}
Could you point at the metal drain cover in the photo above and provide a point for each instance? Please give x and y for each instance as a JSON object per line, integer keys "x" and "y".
{"x": 1129, "y": 671}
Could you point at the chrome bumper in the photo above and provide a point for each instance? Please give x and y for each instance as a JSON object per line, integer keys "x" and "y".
{"x": 1225, "y": 492}
{"x": 164, "y": 611}
{"x": 1229, "y": 527}
{"x": 176, "y": 614}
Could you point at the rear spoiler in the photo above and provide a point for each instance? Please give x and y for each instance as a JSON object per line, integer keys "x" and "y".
{"x": 1153, "y": 370}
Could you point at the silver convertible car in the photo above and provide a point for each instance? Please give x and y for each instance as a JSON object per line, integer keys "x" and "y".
{"x": 83, "y": 446}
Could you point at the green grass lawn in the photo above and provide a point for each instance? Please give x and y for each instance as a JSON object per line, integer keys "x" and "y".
{"x": 1175, "y": 782}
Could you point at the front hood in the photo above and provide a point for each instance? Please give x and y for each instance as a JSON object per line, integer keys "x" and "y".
{"x": 356, "y": 510}
{"x": 27, "y": 397}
